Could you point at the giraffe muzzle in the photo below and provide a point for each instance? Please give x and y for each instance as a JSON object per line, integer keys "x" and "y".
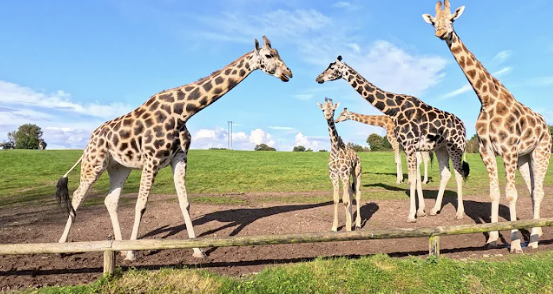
{"x": 286, "y": 76}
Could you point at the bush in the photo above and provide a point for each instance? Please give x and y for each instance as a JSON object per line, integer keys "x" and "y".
{"x": 263, "y": 147}
{"x": 299, "y": 149}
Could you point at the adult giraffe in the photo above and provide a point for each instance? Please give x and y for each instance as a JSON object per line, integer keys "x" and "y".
{"x": 505, "y": 127}
{"x": 155, "y": 135}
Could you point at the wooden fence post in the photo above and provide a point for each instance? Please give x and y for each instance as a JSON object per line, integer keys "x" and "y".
{"x": 434, "y": 246}
{"x": 109, "y": 262}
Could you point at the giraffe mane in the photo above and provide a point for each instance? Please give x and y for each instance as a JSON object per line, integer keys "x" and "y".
{"x": 220, "y": 70}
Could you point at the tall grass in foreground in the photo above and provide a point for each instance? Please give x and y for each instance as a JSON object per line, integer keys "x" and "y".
{"x": 27, "y": 175}
{"x": 376, "y": 274}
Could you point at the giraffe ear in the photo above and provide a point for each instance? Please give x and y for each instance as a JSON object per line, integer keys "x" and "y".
{"x": 267, "y": 42}
{"x": 457, "y": 13}
{"x": 256, "y": 45}
{"x": 339, "y": 58}
{"x": 336, "y": 105}
{"x": 320, "y": 105}
{"x": 428, "y": 18}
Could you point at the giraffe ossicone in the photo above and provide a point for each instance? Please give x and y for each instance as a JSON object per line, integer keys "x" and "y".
{"x": 505, "y": 127}
{"x": 342, "y": 163}
{"x": 418, "y": 127}
{"x": 153, "y": 136}
{"x": 387, "y": 123}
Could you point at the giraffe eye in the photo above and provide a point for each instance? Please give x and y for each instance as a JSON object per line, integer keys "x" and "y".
{"x": 268, "y": 56}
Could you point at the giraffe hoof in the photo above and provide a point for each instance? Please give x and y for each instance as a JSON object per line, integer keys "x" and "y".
{"x": 421, "y": 214}
{"x": 491, "y": 245}
{"x": 411, "y": 220}
{"x": 199, "y": 255}
{"x": 433, "y": 212}
{"x": 130, "y": 256}
{"x": 459, "y": 216}
{"x": 533, "y": 245}
{"x": 424, "y": 182}
{"x": 334, "y": 229}
{"x": 399, "y": 182}
{"x": 516, "y": 250}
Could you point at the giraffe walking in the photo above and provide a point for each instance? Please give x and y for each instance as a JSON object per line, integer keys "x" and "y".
{"x": 154, "y": 136}
{"x": 342, "y": 163}
{"x": 386, "y": 122}
{"x": 418, "y": 127}
{"x": 505, "y": 127}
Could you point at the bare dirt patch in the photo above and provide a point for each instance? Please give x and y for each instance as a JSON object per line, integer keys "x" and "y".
{"x": 163, "y": 219}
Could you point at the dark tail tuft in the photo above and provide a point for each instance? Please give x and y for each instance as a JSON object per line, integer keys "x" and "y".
{"x": 353, "y": 187}
{"x": 431, "y": 154}
{"x": 466, "y": 170}
{"x": 62, "y": 195}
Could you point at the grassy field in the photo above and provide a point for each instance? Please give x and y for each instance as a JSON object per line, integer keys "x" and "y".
{"x": 375, "y": 274}
{"x": 31, "y": 175}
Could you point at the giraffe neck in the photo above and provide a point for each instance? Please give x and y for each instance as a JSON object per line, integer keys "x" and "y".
{"x": 335, "y": 140}
{"x": 486, "y": 87}
{"x": 373, "y": 120}
{"x": 384, "y": 101}
{"x": 190, "y": 99}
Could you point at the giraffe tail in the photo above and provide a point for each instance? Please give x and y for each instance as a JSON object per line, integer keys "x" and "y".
{"x": 466, "y": 168}
{"x": 431, "y": 155}
{"x": 62, "y": 192}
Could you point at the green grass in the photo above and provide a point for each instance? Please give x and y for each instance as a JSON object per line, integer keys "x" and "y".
{"x": 33, "y": 174}
{"x": 375, "y": 274}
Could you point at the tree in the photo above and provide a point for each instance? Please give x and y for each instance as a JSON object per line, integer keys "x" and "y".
{"x": 358, "y": 148}
{"x": 551, "y": 132}
{"x": 472, "y": 144}
{"x": 299, "y": 149}
{"x": 376, "y": 142}
{"x": 263, "y": 147}
{"x": 309, "y": 150}
{"x": 27, "y": 136}
{"x": 322, "y": 150}
{"x": 386, "y": 144}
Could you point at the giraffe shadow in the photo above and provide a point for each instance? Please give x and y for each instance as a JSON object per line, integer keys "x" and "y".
{"x": 480, "y": 213}
{"x": 427, "y": 194}
{"x": 367, "y": 211}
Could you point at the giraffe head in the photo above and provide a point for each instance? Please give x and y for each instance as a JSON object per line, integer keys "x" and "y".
{"x": 328, "y": 108}
{"x": 334, "y": 71}
{"x": 345, "y": 115}
{"x": 268, "y": 60}
{"x": 443, "y": 21}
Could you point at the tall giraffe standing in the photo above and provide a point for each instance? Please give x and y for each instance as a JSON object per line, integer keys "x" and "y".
{"x": 342, "y": 163}
{"x": 155, "y": 135}
{"x": 504, "y": 126}
{"x": 418, "y": 127}
{"x": 386, "y": 122}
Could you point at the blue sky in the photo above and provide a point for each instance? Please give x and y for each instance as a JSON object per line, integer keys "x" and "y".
{"x": 68, "y": 66}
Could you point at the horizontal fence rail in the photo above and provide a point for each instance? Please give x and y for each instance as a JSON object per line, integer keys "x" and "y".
{"x": 111, "y": 246}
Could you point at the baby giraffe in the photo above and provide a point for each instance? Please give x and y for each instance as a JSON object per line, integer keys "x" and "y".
{"x": 342, "y": 163}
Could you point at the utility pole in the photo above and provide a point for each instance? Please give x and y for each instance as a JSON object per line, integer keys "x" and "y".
{"x": 229, "y": 137}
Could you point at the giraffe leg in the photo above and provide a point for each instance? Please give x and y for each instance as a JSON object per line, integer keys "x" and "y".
{"x": 412, "y": 166}
{"x": 445, "y": 175}
{"x": 118, "y": 175}
{"x": 426, "y": 160}
{"x": 178, "y": 165}
{"x": 149, "y": 173}
{"x": 510, "y": 161}
{"x": 397, "y": 157}
{"x": 488, "y": 157}
{"x": 336, "y": 194}
{"x": 357, "y": 185}
{"x": 457, "y": 159}
{"x": 420, "y": 211}
{"x": 346, "y": 198}
{"x": 540, "y": 158}
{"x": 89, "y": 174}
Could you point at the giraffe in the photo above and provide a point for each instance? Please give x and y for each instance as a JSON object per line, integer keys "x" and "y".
{"x": 386, "y": 122}
{"x": 505, "y": 127}
{"x": 342, "y": 163}
{"x": 154, "y": 136}
{"x": 418, "y": 127}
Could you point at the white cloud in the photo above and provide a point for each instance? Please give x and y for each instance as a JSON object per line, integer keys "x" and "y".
{"x": 503, "y": 71}
{"x": 218, "y": 138}
{"x": 25, "y": 105}
{"x": 341, "y": 4}
{"x": 315, "y": 143}
{"x": 502, "y": 56}
{"x": 280, "y": 128}
{"x": 14, "y": 94}
{"x": 304, "y": 96}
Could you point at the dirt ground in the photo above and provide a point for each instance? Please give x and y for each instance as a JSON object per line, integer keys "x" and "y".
{"x": 163, "y": 219}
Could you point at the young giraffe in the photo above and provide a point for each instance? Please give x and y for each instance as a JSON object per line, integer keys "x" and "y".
{"x": 342, "y": 163}
{"x": 155, "y": 135}
{"x": 418, "y": 127}
{"x": 504, "y": 126}
{"x": 386, "y": 122}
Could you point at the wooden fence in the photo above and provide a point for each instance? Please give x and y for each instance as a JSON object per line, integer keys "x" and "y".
{"x": 111, "y": 247}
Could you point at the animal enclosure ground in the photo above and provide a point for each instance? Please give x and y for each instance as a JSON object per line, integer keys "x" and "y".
{"x": 256, "y": 214}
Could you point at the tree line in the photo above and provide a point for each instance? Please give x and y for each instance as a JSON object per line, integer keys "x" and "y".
{"x": 27, "y": 136}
